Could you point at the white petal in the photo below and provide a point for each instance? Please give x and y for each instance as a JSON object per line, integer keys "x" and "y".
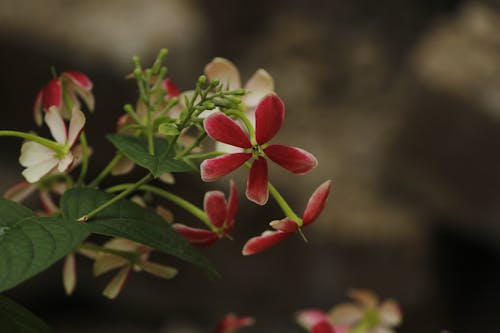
{"x": 33, "y": 153}
{"x": 390, "y": 313}
{"x": 65, "y": 163}
{"x": 56, "y": 124}
{"x": 365, "y": 298}
{"x": 225, "y": 148}
{"x": 37, "y": 171}
{"x": 345, "y": 314}
{"x": 75, "y": 126}
{"x": 123, "y": 167}
{"x": 224, "y": 71}
{"x": 259, "y": 85}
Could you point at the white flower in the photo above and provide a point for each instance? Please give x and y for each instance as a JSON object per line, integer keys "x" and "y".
{"x": 39, "y": 159}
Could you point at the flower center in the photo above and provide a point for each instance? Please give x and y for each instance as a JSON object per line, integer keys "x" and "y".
{"x": 257, "y": 151}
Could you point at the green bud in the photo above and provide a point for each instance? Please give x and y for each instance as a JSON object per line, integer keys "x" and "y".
{"x": 169, "y": 129}
{"x": 238, "y": 92}
{"x": 202, "y": 80}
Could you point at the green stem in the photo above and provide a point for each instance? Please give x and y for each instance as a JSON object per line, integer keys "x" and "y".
{"x": 57, "y": 147}
{"x": 104, "y": 173}
{"x": 205, "y": 155}
{"x": 85, "y": 158}
{"x": 284, "y": 205}
{"x": 186, "y": 205}
{"x": 123, "y": 194}
{"x": 195, "y": 144}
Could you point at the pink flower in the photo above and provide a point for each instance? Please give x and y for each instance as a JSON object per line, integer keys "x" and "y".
{"x": 231, "y": 323}
{"x": 317, "y": 321}
{"x": 64, "y": 92}
{"x": 220, "y": 214}
{"x": 39, "y": 160}
{"x": 287, "y": 227}
{"x": 269, "y": 116}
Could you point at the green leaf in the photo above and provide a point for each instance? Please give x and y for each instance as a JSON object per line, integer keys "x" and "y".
{"x": 16, "y": 319}
{"x": 30, "y": 244}
{"x": 125, "y": 219}
{"x": 136, "y": 150}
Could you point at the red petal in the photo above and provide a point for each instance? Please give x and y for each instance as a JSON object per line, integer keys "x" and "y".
{"x": 171, "y": 88}
{"x": 79, "y": 79}
{"x": 198, "y": 237}
{"x": 52, "y": 94}
{"x": 316, "y": 203}
{"x": 286, "y": 225}
{"x": 231, "y": 323}
{"x": 215, "y": 206}
{"x": 322, "y": 327}
{"x": 214, "y": 168}
{"x": 222, "y": 128}
{"x": 257, "y": 182}
{"x": 269, "y": 117}
{"x": 232, "y": 207}
{"x": 260, "y": 243}
{"x": 293, "y": 159}
{"x": 37, "y": 109}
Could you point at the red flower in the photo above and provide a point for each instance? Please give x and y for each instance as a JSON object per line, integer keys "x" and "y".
{"x": 231, "y": 323}
{"x": 317, "y": 321}
{"x": 220, "y": 214}
{"x": 63, "y": 93}
{"x": 287, "y": 227}
{"x": 269, "y": 117}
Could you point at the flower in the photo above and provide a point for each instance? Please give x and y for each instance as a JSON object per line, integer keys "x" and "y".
{"x": 40, "y": 159}
{"x": 63, "y": 93}
{"x": 231, "y": 323}
{"x": 317, "y": 321}
{"x": 269, "y": 118}
{"x": 368, "y": 311}
{"x": 220, "y": 214}
{"x": 287, "y": 227}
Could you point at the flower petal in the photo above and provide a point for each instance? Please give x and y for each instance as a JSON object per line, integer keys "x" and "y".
{"x": 116, "y": 285}
{"x": 257, "y": 182}
{"x": 34, "y": 172}
{"x": 106, "y": 262}
{"x": 293, "y": 159}
{"x": 232, "y": 207}
{"x": 56, "y": 124}
{"x": 214, "y": 168}
{"x": 79, "y": 79}
{"x": 231, "y": 323}
{"x": 75, "y": 126}
{"x": 364, "y": 297}
{"x": 20, "y": 191}
{"x": 322, "y": 327}
{"x": 215, "y": 206}
{"x": 37, "y": 108}
{"x": 269, "y": 117}
{"x": 286, "y": 225}
{"x": 310, "y": 317}
{"x": 225, "y": 71}
{"x": 345, "y": 314}
{"x": 195, "y": 236}
{"x": 316, "y": 203}
{"x": 390, "y": 313}
{"x": 69, "y": 273}
{"x": 171, "y": 88}
{"x": 52, "y": 94}
{"x": 33, "y": 153}
{"x": 159, "y": 270}
{"x": 222, "y": 128}
{"x": 65, "y": 162}
{"x": 259, "y": 85}
{"x": 266, "y": 240}
{"x": 123, "y": 167}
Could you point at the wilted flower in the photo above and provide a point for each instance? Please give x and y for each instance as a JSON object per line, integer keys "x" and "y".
{"x": 269, "y": 118}
{"x": 287, "y": 227}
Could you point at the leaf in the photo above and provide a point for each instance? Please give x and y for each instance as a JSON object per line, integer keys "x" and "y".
{"x": 14, "y": 318}
{"x": 136, "y": 150}
{"x": 125, "y": 219}
{"x": 30, "y": 244}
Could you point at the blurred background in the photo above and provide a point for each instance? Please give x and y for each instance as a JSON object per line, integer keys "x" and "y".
{"x": 399, "y": 101}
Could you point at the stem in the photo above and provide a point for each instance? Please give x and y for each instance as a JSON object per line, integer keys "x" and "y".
{"x": 110, "y": 202}
{"x": 195, "y": 144}
{"x": 85, "y": 158}
{"x": 186, "y": 205}
{"x": 106, "y": 170}
{"x": 205, "y": 155}
{"x": 44, "y": 142}
{"x": 284, "y": 205}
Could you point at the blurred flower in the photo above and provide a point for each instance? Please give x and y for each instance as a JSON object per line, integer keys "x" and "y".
{"x": 287, "y": 227}
{"x": 231, "y": 323}
{"x": 69, "y": 273}
{"x": 269, "y": 118}
{"x": 220, "y": 214}
{"x": 317, "y": 321}
{"x": 39, "y": 160}
{"x": 63, "y": 93}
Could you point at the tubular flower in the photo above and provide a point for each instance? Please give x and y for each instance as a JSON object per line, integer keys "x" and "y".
{"x": 220, "y": 215}
{"x": 64, "y": 92}
{"x": 231, "y": 323}
{"x": 317, "y": 321}
{"x": 39, "y": 160}
{"x": 269, "y": 118}
{"x": 287, "y": 227}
